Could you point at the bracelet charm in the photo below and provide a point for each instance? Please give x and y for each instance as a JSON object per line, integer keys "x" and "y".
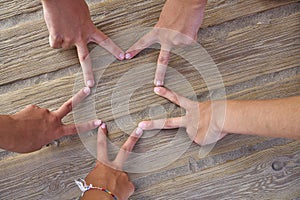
{"x": 84, "y": 187}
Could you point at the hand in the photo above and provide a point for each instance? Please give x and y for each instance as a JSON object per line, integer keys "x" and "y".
{"x": 178, "y": 25}
{"x": 33, "y": 127}
{"x": 108, "y": 174}
{"x": 69, "y": 24}
{"x": 201, "y": 125}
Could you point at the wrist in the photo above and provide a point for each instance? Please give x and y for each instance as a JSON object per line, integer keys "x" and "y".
{"x": 212, "y": 114}
{"x": 94, "y": 194}
{"x": 98, "y": 178}
{"x": 7, "y": 131}
{"x": 236, "y": 117}
{"x": 92, "y": 191}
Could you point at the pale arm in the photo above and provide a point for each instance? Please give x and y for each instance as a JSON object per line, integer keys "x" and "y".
{"x": 273, "y": 118}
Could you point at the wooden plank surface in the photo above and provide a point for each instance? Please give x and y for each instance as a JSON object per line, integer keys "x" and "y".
{"x": 255, "y": 45}
{"x": 17, "y": 42}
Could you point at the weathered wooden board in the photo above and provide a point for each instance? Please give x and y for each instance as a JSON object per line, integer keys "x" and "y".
{"x": 56, "y": 167}
{"x": 255, "y": 45}
{"x": 269, "y": 174}
{"x": 17, "y": 42}
{"x": 236, "y": 63}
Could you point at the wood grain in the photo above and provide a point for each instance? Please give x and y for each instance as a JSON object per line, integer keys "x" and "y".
{"x": 17, "y": 54}
{"x": 66, "y": 163}
{"x": 255, "y": 45}
{"x": 249, "y": 177}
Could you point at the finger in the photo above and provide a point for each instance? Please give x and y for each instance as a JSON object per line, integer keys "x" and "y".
{"x": 162, "y": 64}
{"x": 72, "y": 102}
{"x": 72, "y": 129}
{"x": 86, "y": 64}
{"x": 101, "y": 144}
{"x": 101, "y": 39}
{"x": 173, "y": 97}
{"x": 67, "y": 44}
{"x": 131, "y": 188}
{"x": 127, "y": 147}
{"x": 169, "y": 123}
{"x": 55, "y": 41}
{"x": 144, "y": 42}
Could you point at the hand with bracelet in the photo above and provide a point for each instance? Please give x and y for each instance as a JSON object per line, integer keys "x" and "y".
{"x": 107, "y": 180}
{"x": 178, "y": 25}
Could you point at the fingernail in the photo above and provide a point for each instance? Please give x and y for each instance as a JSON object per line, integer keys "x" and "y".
{"x": 157, "y": 90}
{"x": 138, "y": 131}
{"x": 127, "y": 56}
{"x": 103, "y": 125}
{"x": 142, "y": 125}
{"x": 159, "y": 83}
{"x": 90, "y": 83}
{"x": 121, "y": 56}
{"x": 86, "y": 90}
{"x": 97, "y": 122}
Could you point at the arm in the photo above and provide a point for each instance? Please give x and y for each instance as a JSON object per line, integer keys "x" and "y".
{"x": 178, "y": 25}
{"x": 6, "y": 123}
{"x": 274, "y": 118}
{"x": 33, "y": 127}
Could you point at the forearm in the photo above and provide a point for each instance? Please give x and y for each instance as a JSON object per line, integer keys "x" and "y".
{"x": 275, "y": 118}
{"x": 6, "y": 130}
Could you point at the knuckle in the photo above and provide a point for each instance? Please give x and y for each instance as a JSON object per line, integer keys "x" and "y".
{"x": 131, "y": 187}
{"x": 67, "y": 43}
{"x": 44, "y": 110}
{"x": 187, "y": 42}
{"x": 32, "y": 106}
{"x": 83, "y": 56}
{"x": 150, "y": 124}
{"x": 72, "y": 129}
{"x": 176, "y": 42}
{"x": 141, "y": 44}
{"x": 124, "y": 175}
{"x": 105, "y": 41}
{"x": 54, "y": 118}
{"x": 163, "y": 60}
{"x": 56, "y": 37}
{"x": 173, "y": 98}
{"x": 126, "y": 148}
{"x": 55, "y": 40}
{"x": 101, "y": 142}
{"x": 69, "y": 106}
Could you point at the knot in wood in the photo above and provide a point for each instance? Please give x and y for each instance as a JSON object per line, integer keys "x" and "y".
{"x": 277, "y": 165}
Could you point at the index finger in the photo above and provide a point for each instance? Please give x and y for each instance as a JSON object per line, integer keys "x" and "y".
{"x": 173, "y": 97}
{"x": 86, "y": 64}
{"x": 144, "y": 42}
{"x": 162, "y": 64}
{"x": 102, "y": 144}
{"x": 127, "y": 148}
{"x": 72, "y": 102}
{"x": 104, "y": 41}
{"x": 169, "y": 123}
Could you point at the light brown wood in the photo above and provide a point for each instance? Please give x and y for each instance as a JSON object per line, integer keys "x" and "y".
{"x": 255, "y": 45}
{"x": 17, "y": 42}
